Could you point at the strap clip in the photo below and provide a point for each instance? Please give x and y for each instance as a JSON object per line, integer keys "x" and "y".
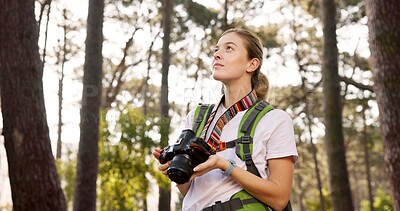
{"x": 222, "y": 146}
{"x": 246, "y": 140}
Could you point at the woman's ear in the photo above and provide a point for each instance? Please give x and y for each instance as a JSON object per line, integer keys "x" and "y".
{"x": 253, "y": 65}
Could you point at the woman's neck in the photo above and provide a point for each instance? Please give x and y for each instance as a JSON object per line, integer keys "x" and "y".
{"x": 234, "y": 94}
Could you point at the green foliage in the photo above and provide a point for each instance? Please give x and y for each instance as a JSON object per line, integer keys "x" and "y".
{"x": 124, "y": 161}
{"x": 268, "y": 36}
{"x": 67, "y": 171}
{"x": 312, "y": 203}
{"x": 351, "y": 11}
{"x": 200, "y": 14}
{"x": 352, "y": 2}
{"x": 128, "y": 3}
{"x": 161, "y": 179}
{"x": 382, "y": 202}
{"x": 355, "y": 60}
{"x": 311, "y": 6}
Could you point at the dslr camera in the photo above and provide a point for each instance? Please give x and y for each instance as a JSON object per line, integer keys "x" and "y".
{"x": 188, "y": 152}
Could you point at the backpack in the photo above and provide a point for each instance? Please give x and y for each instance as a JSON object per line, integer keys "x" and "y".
{"x": 242, "y": 200}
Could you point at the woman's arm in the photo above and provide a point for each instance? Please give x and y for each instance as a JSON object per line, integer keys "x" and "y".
{"x": 274, "y": 191}
{"x": 184, "y": 188}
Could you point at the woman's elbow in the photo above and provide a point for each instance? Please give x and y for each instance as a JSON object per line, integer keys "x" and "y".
{"x": 281, "y": 205}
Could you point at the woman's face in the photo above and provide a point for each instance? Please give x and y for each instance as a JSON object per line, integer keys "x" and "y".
{"x": 230, "y": 63}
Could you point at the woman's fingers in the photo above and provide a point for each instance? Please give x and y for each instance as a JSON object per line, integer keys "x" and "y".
{"x": 205, "y": 167}
{"x": 156, "y": 152}
{"x": 164, "y": 167}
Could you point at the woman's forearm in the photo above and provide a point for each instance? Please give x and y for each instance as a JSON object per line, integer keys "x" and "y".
{"x": 274, "y": 191}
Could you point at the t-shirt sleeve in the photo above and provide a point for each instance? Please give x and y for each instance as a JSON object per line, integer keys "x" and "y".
{"x": 278, "y": 134}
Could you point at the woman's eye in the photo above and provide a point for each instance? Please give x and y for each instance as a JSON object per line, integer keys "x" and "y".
{"x": 229, "y": 48}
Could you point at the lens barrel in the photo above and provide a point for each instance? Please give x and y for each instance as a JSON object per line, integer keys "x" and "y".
{"x": 181, "y": 169}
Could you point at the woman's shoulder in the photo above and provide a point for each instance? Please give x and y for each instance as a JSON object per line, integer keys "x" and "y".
{"x": 277, "y": 116}
{"x": 278, "y": 113}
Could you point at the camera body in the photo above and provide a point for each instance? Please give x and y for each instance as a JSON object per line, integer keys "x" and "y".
{"x": 188, "y": 152}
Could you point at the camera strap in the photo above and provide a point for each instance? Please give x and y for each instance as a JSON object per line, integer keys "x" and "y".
{"x": 241, "y": 105}
{"x": 244, "y": 142}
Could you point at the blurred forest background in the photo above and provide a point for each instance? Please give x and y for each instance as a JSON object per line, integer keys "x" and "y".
{"x": 120, "y": 76}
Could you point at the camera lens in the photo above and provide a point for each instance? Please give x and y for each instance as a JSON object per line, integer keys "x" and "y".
{"x": 181, "y": 169}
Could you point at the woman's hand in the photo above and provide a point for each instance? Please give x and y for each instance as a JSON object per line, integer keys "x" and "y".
{"x": 213, "y": 162}
{"x": 156, "y": 152}
{"x": 183, "y": 188}
{"x": 163, "y": 167}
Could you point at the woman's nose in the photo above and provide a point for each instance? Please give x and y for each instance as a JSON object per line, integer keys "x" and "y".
{"x": 217, "y": 55}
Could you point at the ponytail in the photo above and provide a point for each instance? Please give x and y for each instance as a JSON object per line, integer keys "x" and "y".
{"x": 260, "y": 84}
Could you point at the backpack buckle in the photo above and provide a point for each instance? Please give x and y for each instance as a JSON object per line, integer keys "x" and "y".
{"x": 248, "y": 159}
{"x": 246, "y": 140}
{"x": 217, "y": 206}
{"x": 222, "y": 146}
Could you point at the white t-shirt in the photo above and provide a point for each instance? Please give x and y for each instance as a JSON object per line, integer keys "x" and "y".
{"x": 273, "y": 138}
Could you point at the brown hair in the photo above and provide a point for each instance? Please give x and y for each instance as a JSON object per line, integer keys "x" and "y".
{"x": 254, "y": 47}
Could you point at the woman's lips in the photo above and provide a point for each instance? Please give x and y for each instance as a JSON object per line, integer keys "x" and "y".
{"x": 217, "y": 65}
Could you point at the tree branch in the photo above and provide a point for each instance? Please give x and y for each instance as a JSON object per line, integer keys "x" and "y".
{"x": 357, "y": 84}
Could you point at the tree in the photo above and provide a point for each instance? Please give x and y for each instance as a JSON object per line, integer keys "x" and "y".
{"x": 384, "y": 42}
{"x": 61, "y": 85}
{"x": 87, "y": 166}
{"x": 165, "y": 193}
{"x": 339, "y": 179}
{"x": 32, "y": 171}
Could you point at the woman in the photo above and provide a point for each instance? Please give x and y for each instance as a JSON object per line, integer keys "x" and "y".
{"x": 236, "y": 63}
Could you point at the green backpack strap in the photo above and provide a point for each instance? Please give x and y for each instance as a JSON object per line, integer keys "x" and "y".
{"x": 244, "y": 143}
{"x": 252, "y": 117}
{"x": 201, "y": 116}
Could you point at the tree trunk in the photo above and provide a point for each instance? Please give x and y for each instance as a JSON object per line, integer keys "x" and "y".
{"x": 145, "y": 85}
{"x": 32, "y": 171}
{"x": 316, "y": 165}
{"x": 384, "y": 42}
{"x": 165, "y": 194}
{"x": 301, "y": 192}
{"x": 225, "y": 25}
{"x": 365, "y": 143}
{"x": 48, "y": 3}
{"x": 338, "y": 175}
{"x": 61, "y": 87}
{"x": 87, "y": 167}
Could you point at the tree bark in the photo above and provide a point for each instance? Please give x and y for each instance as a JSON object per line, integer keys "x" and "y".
{"x": 338, "y": 175}
{"x": 165, "y": 194}
{"x": 32, "y": 171}
{"x": 384, "y": 42}
{"x": 87, "y": 166}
